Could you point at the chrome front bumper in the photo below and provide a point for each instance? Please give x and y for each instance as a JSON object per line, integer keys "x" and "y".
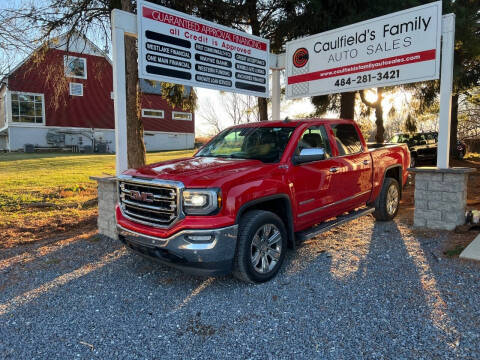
{"x": 201, "y": 252}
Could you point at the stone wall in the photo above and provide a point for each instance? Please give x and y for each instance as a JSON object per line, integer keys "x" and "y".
{"x": 107, "y": 200}
{"x": 440, "y": 197}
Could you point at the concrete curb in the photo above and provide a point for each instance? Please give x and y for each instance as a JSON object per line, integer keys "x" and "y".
{"x": 472, "y": 251}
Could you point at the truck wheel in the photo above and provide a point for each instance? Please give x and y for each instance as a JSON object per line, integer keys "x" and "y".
{"x": 261, "y": 246}
{"x": 388, "y": 201}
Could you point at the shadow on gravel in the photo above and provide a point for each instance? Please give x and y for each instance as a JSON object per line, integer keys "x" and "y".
{"x": 452, "y": 291}
{"x": 35, "y": 266}
{"x": 408, "y": 277}
{"x": 366, "y": 290}
{"x": 41, "y": 271}
{"x": 388, "y": 276}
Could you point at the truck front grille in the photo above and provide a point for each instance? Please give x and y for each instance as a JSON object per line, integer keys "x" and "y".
{"x": 149, "y": 202}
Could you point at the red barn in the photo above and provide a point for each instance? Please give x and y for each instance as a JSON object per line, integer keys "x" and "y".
{"x": 65, "y": 101}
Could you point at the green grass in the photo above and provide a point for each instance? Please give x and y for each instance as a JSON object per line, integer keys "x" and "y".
{"x": 27, "y": 178}
{"x": 50, "y": 187}
{"x": 455, "y": 252}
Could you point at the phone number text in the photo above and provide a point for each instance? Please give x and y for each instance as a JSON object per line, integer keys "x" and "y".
{"x": 366, "y": 78}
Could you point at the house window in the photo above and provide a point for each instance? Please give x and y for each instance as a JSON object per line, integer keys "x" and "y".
{"x": 76, "y": 89}
{"x": 75, "y": 67}
{"x": 177, "y": 115}
{"x": 28, "y": 108}
{"x": 151, "y": 113}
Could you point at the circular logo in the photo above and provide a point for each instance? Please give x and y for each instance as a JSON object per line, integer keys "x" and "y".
{"x": 300, "y": 57}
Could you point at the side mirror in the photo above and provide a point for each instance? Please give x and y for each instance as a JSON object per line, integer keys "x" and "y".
{"x": 308, "y": 155}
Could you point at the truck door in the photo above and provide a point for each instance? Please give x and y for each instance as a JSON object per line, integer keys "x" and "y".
{"x": 312, "y": 181}
{"x": 352, "y": 168}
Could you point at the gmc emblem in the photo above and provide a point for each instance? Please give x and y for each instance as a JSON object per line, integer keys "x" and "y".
{"x": 141, "y": 196}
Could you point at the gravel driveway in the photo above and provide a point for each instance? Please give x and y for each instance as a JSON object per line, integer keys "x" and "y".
{"x": 363, "y": 290}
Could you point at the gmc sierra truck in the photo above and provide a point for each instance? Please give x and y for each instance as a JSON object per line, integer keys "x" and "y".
{"x": 253, "y": 191}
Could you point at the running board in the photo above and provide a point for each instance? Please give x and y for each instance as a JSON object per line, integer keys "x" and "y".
{"x": 325, "y": 226}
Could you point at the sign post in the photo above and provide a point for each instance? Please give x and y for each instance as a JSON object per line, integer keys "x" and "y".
{"x": 443, "y": 148}
{"x": 119, "y": 92}
{"x": 277, "y": 64}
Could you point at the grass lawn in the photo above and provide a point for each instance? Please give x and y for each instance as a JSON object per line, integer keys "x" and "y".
{"x": 45, "y": 195}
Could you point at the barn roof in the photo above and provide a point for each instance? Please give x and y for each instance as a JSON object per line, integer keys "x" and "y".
{"x": 75, "y": 43}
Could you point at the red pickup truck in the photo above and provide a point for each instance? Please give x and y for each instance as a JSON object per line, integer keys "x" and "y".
{"x": 253, "y": 191}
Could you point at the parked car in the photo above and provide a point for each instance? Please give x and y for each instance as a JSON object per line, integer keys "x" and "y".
{"x": 461, "y": 150}
{"x": 423, "y": 146}
{"x": 254, "y": 190}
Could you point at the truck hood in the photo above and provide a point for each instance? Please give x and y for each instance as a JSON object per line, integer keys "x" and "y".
{"x": 200, "y": 171}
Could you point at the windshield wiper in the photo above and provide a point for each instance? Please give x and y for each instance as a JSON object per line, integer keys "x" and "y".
{"x": 224, "y": 156}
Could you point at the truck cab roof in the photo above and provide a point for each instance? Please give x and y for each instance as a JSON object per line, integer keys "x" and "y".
{"x": 290, "y": 123}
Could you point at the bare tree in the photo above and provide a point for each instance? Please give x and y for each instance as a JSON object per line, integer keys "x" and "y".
{"x": 209, "y": 114}
{"x": 236, "y": 109}
{"x": 250, "y": 108}
{"x": 135, "y": 144}
{"x": 239, "y": 108}
{"x": 47, "y": 20}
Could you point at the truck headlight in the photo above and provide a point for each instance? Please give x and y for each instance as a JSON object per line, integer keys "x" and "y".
{"x": 201, "y": 201}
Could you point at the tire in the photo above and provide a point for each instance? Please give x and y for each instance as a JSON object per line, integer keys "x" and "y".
{"x": 256, "y": 228}
{"x": 385, "y": 209}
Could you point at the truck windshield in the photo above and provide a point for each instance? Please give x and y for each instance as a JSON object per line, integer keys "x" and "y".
{"x": 260, "y": 143}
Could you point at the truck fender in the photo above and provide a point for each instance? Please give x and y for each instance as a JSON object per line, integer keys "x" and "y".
{"x": 286, "y": 215}
{"x": 398, "y": 178}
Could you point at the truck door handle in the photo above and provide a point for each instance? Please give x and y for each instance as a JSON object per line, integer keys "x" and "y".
{"x": 333, "y": 169}
{"x": 366, "y": 162}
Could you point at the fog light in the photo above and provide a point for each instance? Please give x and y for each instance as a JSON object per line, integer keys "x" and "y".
{"x": 199, "y": 237}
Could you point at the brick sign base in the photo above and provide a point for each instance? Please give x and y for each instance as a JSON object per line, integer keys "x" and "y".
{"x": 440, "y": 197}
{"x": 107, "y": 200}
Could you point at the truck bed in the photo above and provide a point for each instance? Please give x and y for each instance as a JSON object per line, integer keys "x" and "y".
{"x": 373, "y": 146}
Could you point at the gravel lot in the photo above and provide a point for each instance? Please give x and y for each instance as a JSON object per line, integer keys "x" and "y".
{"x": 364, "y": 290}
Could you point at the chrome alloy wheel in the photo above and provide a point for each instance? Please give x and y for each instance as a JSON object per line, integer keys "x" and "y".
{"x": 266, "y": 248}
{"x": 392, "y": 199}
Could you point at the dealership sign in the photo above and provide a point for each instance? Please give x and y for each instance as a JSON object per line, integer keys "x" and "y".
{"x": 399, "y": 48}
{"x": 178, "y": 48}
